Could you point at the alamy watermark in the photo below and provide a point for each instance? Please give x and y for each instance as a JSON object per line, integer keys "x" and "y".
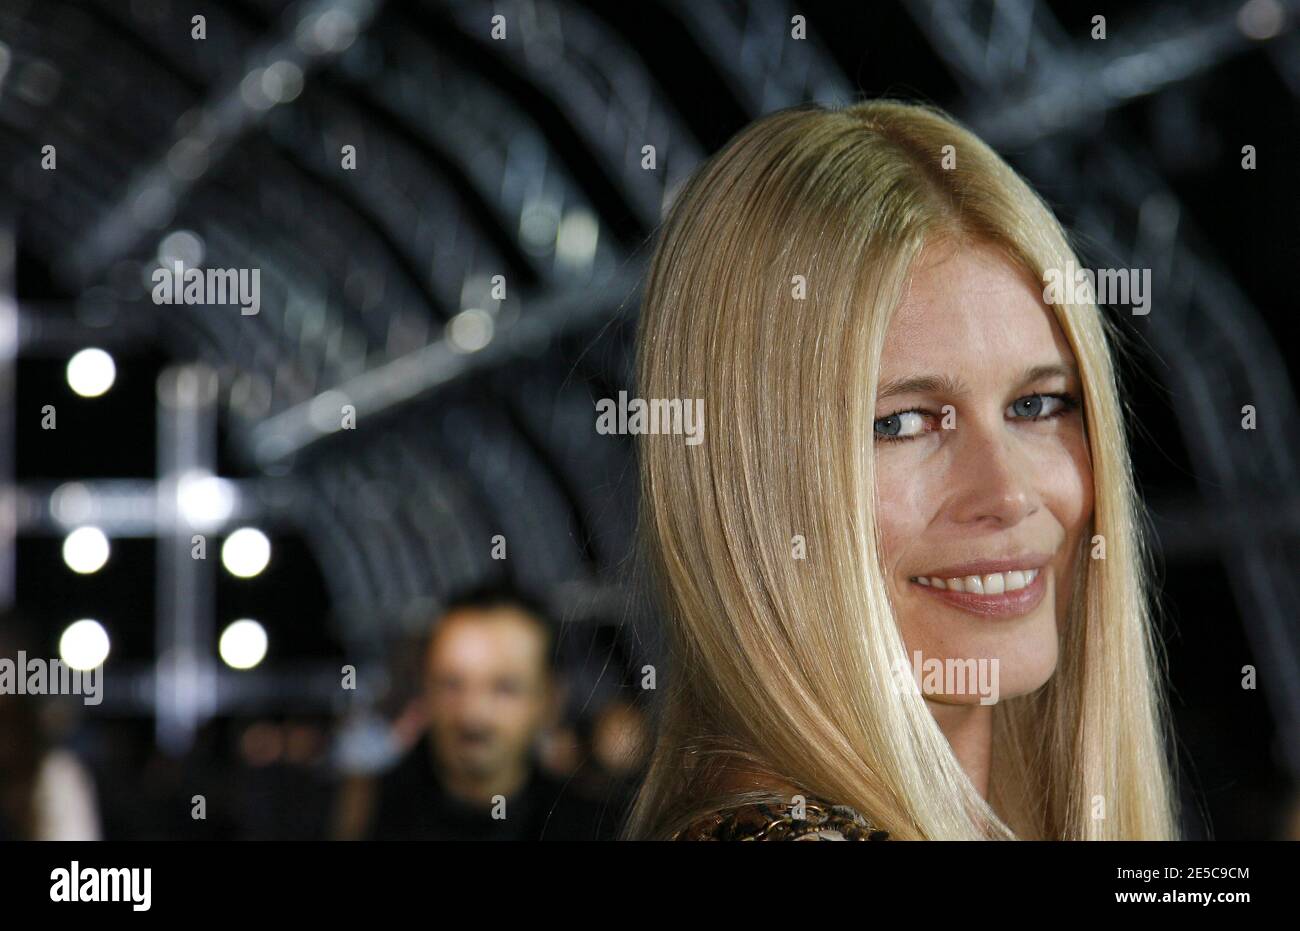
{"x": 675, "y": 416}
{"x": 1111, "y": 286}
{"x": 78, "y": 883}
{"x": 36, "y": 676}
{"x": 950, "y": 676}
{"x": 181, "y": 285}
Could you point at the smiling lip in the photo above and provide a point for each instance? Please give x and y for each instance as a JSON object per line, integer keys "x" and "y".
{"x": 989, "y": 566}
{"x": 1008, "y": 604}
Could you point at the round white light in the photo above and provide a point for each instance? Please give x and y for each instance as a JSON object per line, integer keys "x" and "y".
{"x": 204, "y": 500}
{"x": 246, "y": 552}
{"x": 1261, "y": 19}
{"x": 91, "y": 372}
{"x": 470, "y": 330}
{"x": 85, "y": 550}
{"x": 181, "y": 246}
{"x": 84, "y": 645}
{"x": 243, "y": 644}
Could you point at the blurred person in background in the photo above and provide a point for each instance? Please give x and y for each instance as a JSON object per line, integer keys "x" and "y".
{"x": 620, "y": 740}
{"x": 46, "y": 792}
{"x": 281, "y": 788}
{"x": 490, "y": 693}
{"x": 602, "y": 755}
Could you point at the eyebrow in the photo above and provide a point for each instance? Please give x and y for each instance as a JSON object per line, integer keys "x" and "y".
{"x": 947, "y": 385}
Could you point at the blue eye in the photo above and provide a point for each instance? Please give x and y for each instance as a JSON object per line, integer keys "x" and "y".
{"x": 1031, "y": 406}
{"x": 889, "y": 426}
{"x": 900, "y": 426}
{"x": 1041, "y": 406}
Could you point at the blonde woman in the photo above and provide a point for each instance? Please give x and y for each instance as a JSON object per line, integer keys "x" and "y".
{"x": 903, "y": 573}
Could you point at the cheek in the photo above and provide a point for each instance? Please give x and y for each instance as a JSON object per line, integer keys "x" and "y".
{"x": 1067, "y": 484}
{"x": 903, "y": 498}
{"x": 1067, "y": 492}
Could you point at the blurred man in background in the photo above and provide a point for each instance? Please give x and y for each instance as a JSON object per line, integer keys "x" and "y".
{"x": 489, "y": 693}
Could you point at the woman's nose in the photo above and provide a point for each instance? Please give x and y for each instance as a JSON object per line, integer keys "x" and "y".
{"x": 993, "y": 479}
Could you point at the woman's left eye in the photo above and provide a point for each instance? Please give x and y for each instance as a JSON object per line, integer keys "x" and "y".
{"x": 1040, "y": 406}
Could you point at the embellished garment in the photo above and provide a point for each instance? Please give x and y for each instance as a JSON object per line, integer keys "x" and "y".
{"x": 761, "y": 821}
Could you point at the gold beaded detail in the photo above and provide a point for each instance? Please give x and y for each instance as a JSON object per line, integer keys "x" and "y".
{"x": 763, "y": 822}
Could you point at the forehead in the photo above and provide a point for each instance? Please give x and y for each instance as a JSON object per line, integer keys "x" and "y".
{"x": 969, "y": 311}
{"x": 487, "y": 638}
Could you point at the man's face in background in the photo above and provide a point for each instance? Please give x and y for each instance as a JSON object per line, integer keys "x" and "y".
{"x": 488, "y": 690}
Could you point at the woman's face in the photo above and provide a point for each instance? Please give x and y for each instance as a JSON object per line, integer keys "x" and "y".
{"x": 983, "y": 478}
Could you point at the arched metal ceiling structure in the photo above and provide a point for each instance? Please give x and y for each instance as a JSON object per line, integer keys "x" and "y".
{"x": 521, "y": 157}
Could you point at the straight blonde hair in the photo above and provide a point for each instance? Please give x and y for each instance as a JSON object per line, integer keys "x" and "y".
{"x": 781, "y": 667}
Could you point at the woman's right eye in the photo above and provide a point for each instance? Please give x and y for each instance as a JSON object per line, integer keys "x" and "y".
{"x": 900, "y": 426}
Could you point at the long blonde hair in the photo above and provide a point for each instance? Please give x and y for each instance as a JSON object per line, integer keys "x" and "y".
{"x": 780, "y": 667}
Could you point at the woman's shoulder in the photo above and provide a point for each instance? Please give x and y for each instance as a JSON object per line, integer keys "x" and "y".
{"x": 802, "y": 819}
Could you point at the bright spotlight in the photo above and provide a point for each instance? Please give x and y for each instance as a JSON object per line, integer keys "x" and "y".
{"x": 1261, "y": 19}
{"x": 85, "y": 550}
{"x": 84, "y": 645}
{"x": 470, "y": 330}
{"x": 243, "y": 644}
{"x": 91, "y": 372}
{"x": 246, "y": 552}
{"x": 204, "y": 500}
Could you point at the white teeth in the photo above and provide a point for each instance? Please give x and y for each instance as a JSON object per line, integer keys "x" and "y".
{"x": 997, "y": 583}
